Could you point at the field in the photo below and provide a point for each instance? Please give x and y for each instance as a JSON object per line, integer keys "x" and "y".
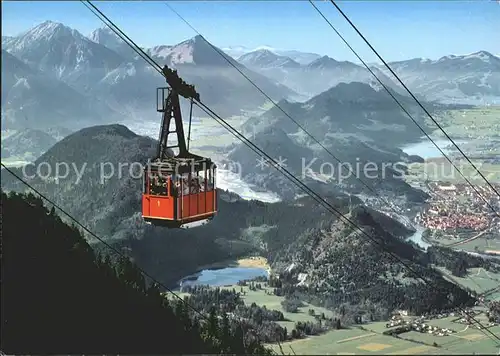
{"x": 477, "y": 245}
{"x": 478, "y": 280}
{"x": 439, "y": 169}
{"x": 369, "y": 340}
{"x": 480, "y": 128}
{"x": 205, "y": 129}
{"x": 474, "y": 123}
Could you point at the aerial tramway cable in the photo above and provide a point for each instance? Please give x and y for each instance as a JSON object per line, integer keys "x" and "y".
{"x": 297, "y": 181}
{"x": 314, "y": 138}
{"x": 292, "y": 119}
{"x": 301, "y": 185}
{"x": 275, "y": 104}
{"x": 113, "y": 249}
{"x": 413, "y": 96}
{"x": 403, "y": 108}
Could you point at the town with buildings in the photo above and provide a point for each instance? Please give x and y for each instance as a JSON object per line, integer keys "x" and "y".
{"x": 399, "y": 324}
{"x": 457, "y": 207}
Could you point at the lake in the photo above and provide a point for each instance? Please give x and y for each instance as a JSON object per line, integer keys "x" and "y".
{"x": 426, "y": 148}
{"x": 223, "y": 276}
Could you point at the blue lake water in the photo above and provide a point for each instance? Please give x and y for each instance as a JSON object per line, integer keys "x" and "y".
{"x": 223, "y": 276}
{"x": 426, "y": 148}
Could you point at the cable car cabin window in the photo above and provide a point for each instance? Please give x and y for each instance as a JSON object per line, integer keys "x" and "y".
{"x": 158, "y": 185}
{"x": 209, "y": 181}
{"x": 192, "y": 183}
{"x": 212, "y": 183}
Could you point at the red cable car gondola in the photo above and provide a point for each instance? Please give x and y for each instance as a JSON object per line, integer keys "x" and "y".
{"x": 178, "y": 190}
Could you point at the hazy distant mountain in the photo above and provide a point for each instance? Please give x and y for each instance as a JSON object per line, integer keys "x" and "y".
{"x": 468, "y": 79}
{"x": 352, "y": 109}
{"x": 32, "y": 99}
{"x": 194, "y": 51}
{"x": 473, "y": 78}
{"x": 266, "y": 59}
{"x": 219, "y": 84}
{"x": 313, "y": 78}
{"x": 297, "y": 56}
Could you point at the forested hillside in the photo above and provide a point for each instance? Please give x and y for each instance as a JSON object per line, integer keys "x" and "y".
{"x": 59, "y": 296}
{"x": 339, "y": 268}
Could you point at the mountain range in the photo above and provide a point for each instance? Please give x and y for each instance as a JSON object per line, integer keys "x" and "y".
{"x": 467, "y": 79}
{"x": 31, "y": 98}
{"x": 119, "y": 79}
{"x": 297, "y": 56}
{"x": 102, "y": 80}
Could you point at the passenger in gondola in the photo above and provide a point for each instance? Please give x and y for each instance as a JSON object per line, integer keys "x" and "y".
{"x": 201, "y": 182}
{"x": 185, "y": 185}
{"x": 195, "y": 185}
{"x": 164, "y": 187}
{"x": 210, "y": 185}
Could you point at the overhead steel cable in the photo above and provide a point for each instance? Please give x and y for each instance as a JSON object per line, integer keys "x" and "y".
{"x": 275, "y": 104}
{"x": 223, "y": 55}
{"x": 122, "y": 35}
{"x": 301, "y": 185}
{"x": 113, "y": 249}
{"x": 297, "y": 181}
{"x": 336, "y": 212}
{"x": 411, "y": 94}
{"x": 410, "y": 116}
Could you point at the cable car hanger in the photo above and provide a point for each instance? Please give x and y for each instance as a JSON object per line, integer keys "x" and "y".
{"x": 177, "y": 189}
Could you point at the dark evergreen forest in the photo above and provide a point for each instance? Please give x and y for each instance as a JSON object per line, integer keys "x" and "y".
{"x": 60, "y": 297}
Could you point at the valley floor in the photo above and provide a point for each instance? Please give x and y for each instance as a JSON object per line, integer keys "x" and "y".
{"x": 368, "y": 338}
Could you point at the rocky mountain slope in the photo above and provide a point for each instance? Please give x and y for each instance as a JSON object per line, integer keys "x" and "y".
{"x": 33, "y": 99}
{"x": 339, "y": 267}
{"x": 312, "y": 78}
{"x": 65, "y": 54}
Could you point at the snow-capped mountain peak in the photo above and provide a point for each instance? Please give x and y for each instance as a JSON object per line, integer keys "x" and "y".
{"x": 64, "y": 52}
{"x": 481, "y": 55}
{"x": 45, "y": 32}
{"x": 161, "y": 51}
{"x": 103, "y": 35}
{"x": 106, "y": 37}
{"x": 195, "y": 51}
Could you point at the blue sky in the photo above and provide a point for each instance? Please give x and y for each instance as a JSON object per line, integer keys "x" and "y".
{"x": 397, "y": 29}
